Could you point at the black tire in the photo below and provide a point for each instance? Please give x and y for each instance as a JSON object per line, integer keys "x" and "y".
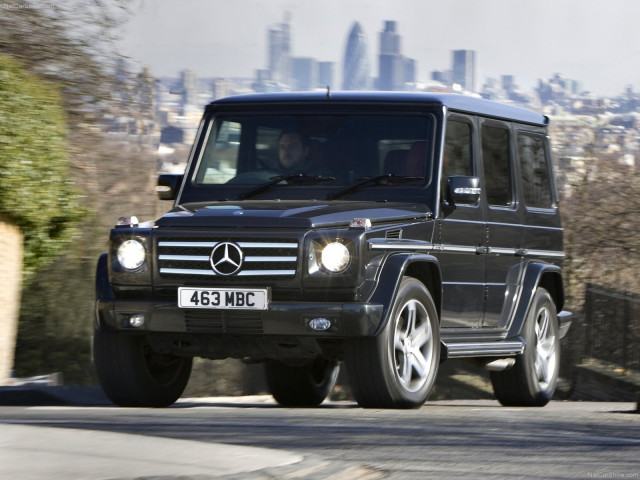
{"x": 531, "y": 382}
{"x": 397, "y": 368}
{"x": 132, "y": 374}
{"x": 301, "y": 386}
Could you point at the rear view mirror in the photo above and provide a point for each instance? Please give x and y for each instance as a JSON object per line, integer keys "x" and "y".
{"x": 463, "y": 190}
{"x": 168, "y": 186}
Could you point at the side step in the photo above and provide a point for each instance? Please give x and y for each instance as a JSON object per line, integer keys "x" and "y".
{"x": 504, "y": 348}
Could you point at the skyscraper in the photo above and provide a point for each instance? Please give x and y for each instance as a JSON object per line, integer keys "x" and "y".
{"x": 394, "y": 69}
{"x": 280, "y": 51}
{"x": 464, "y": 69}
{"x": 189, "y": 82}
{"x": 356, "y": 65}
{"x": 304, "y": 73}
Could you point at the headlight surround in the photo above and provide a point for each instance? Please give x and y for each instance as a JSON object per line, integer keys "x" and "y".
{"x": 131, "y": 254}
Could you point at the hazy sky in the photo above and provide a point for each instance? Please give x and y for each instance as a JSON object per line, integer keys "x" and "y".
{"x": 594, "y": 41}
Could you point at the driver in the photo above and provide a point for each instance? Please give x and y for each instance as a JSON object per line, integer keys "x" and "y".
{"x": 293, "y": 151}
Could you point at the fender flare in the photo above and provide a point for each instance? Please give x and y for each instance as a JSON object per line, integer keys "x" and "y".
{"x": 104, "y": 290}
{"x": 394, "y": 268}
{"x": 536, "y": 274}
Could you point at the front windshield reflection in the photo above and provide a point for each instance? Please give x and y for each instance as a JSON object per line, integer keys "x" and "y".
{"x": 339, "y": 149}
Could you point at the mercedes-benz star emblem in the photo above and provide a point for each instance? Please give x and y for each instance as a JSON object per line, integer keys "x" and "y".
{"x": 226, "y": 258}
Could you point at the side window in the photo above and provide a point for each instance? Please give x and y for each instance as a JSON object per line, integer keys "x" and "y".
{"x": 534, "y": 168}
{"x": 497, "y": 165}
{"x": 458, "y": 154}
{"x": 220, "y": 158}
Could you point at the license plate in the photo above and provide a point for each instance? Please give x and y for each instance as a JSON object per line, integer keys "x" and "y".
{"x": 223, "y": 298}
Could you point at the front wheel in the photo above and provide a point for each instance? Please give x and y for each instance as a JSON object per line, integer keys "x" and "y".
{"x": 397, "y": 368}
{"x": 531, "y": 382}
{"x": 301, "y": 386}
{"x": 132, "y": 374}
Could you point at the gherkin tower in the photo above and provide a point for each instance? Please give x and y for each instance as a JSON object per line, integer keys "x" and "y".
{"x": 356, "y": 65}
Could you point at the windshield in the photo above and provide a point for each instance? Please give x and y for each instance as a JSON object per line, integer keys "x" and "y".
{"x": 315, "y": 150}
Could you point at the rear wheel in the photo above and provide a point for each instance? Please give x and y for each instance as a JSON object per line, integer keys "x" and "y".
{"x": 301, "y": 386}
{"x": 132, "y": 374}
{"x": 531, "y": 382}
{"x": 397, "y": 368}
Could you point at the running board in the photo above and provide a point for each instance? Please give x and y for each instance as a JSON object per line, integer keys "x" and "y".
{"x": 505, "y": 348}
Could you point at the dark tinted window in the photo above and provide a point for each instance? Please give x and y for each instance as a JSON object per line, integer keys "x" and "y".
{"x": 497, "y": 165}
{"x": 534, "y": 168}
{"x": 457, "y": 158}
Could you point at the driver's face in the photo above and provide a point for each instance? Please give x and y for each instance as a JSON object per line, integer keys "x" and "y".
{"x": 291, "y": 150}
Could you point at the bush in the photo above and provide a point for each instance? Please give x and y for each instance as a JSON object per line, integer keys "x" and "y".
{"x": 35, "y": 188}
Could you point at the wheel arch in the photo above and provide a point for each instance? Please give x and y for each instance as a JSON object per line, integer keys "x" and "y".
{"x": 423, "y": 267}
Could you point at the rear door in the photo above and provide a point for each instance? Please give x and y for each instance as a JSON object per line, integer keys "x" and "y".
{"x": 503, "y": 254}
{"x": 542, "y": 229}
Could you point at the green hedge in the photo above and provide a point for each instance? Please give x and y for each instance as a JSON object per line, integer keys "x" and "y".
{"x": 35, "y": 188}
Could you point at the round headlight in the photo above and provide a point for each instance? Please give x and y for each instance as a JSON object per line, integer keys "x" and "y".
{"x": 335, "y": 257}
{"x": 131, "y": 254}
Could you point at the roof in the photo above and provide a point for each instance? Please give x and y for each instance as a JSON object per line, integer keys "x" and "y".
{"x": 452, "y": 101}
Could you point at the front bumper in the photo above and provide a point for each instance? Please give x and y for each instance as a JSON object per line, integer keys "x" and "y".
{"x": 281, "y": 319}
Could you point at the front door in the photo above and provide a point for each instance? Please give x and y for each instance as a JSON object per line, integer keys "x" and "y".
{"x": 460, "y": 235}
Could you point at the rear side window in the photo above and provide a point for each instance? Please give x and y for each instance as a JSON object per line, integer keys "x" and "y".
{"x": 534, "y": 168}
{"x": 497, "y": 165}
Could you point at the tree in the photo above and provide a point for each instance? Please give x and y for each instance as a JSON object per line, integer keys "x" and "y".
{"x": 35, "y": 188}
{"x": 69, "y": 48}
{"x": 601, "y": 213}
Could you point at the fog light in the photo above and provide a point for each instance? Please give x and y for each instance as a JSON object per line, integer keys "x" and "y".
{"x": 320, "y": 324}
{"x": 136, "y": 321}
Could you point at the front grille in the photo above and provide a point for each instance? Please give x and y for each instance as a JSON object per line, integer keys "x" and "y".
{"x": 224, "y": 321}
{"x": 185, "y": 259}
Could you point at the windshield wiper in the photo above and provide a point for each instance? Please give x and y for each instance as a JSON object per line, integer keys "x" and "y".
{"x": 293, "y": 178}
{"x": 365, "y": 180}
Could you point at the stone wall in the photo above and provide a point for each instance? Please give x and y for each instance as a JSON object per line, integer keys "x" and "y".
{"x": 11, "y": 247}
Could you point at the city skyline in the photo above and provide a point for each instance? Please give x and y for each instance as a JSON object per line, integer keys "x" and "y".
{"x": 589, "y": 40}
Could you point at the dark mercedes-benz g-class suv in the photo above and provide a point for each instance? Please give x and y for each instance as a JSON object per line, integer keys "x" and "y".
{"x": 384, "y": 231}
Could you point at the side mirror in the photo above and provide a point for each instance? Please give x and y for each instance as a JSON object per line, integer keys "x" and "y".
{"x": 168, "y": 186}
{"x": 463, "y": 190}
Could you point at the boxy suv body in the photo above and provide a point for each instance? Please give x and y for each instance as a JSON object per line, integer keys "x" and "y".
{"x": 415, "y": 228}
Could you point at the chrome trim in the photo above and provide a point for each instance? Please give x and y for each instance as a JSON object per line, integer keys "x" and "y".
{"x": 188, "y": 244}
{"x": 185, "y": 258}
{"x": 498, "y": 251}
{"x": 543, "y": 253}
{"x": 202, "y": 264}
{"x": 399, "y": 244}
{"x": 458, "y": 249}
{"x": 502, "y": 251}
{"x": 187, "y": 271}
{"x": 271, "y": 273}
{"x": 211, "y": 273}
{"x": 240, "y": 244}
{"x": 270, "y": 259}
{"x": 484, "y": 349}
{"x": 267, "y": 245}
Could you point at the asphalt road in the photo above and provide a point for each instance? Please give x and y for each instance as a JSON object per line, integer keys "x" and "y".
{"x": 252, "y": 438}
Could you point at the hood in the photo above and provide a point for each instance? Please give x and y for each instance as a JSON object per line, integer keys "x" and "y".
{"x": 291, "y": 214}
